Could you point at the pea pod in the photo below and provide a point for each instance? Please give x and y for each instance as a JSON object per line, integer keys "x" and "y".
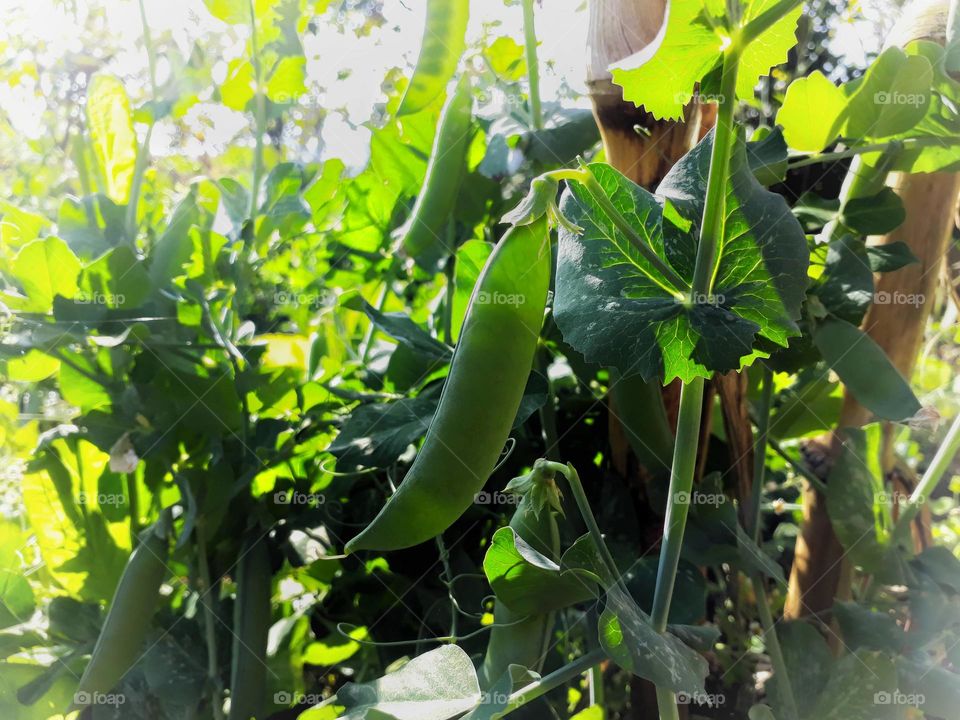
{"x": 423, "y": 234}
{"x": 444, "y": 38}
{"x": 518, "y": 639}
{"x": 251, "y": 623}
{"x": 480, "y": 398}
{"x": 121, "y": 638}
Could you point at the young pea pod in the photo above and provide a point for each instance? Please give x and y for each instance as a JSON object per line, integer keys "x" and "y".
{"x": 120, "y": 642}
{"x": 480, "y": 398}
{"x": 251, "y": 623}
{"x": 444, "y": 38}
{"x": 518, "y": 639}
{"x": 423, "y": 236}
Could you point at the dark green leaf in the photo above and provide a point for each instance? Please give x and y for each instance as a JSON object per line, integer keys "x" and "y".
{"x": 613, "y": 307}
{"x": 865, "y": 369}
{"x": 874, "y": 215}
{"x": 846, "y": 287}
{"x": 890, "y": 256}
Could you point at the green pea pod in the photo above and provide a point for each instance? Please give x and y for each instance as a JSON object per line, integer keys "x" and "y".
{"x": 444, "y": 38}
{"x": 423, "y": 235}
{"x": 120, "y": 642}
{"x": 519, "y": 639}
{"x": 251, "y": 623}
{"x": 480, "y": 397}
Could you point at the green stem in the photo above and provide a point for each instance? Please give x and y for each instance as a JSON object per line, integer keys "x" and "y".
{"x": 765, "y": 20}
{"x": 691, "y": 394}
{"x": 450, "y": 274}
{"x": 714, "y": 211}
{"x": 797, "y": 466}
{"x": 213, "y": 668}
{"x": 598, "y": 694}
{"x": 548, "y": 412}
{"x": 533, "y": 65}
{"x": 780, "y": 674}
{"x": 554, "y": 680}
{"x": 931, "y": 478}
{"x": 133, "y": 501}
{"x": 905, "y": 144}
{"x": 260, "y": 109}
{"x": 760, "y": 453}
{"x": 576, "y": 487}
{"x": 681, "y": 484}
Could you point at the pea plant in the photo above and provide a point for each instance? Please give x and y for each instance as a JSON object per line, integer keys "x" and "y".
{"x": 292, "y": 440}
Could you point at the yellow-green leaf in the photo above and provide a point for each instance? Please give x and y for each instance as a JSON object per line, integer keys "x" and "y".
{"x": 110, "y": 121}
{"x": 811, "y": 112}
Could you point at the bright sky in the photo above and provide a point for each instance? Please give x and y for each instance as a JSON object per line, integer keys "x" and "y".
{"x": 561, "y": 26}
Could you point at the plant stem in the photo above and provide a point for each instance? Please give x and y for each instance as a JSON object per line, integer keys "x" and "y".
{"x": 765, "y": 20}
{"x": 533, "y": 64}
{"x": 681, "y": 483}
{"x": 691, "y": 394}
{"x": 780, "y": 673}
{"x": 260, "y": 110}
{"x": 714, "y": 210}
{"x": 555, "y": 679}
{"x": 213, "y": 669}
{"x": 905, "y": 144}
{"x": 931, "y": 478}
{"x": 548, "y": 412}
{"x": 576, "y": 487}
{"x": 798, "y": 467}
{"x": 450, "y": 275}
{"x": 760, "y": 453}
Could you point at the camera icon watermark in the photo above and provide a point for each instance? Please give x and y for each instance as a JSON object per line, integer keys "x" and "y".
{"x": 699, "y": 498}
{"x": 285, "y": 697}
{"x": 500, "y": 298}
{"x": 100, "y": 298}
{"x": 82, "y": 698}
{"x": 897, "y": 297}
{"x": 299, "y": 299}
{"x": 495, "y": 498}
{"x": 282, "y": 497}
{"x": 887, "y": 97}
{"x": 896, "y": 697}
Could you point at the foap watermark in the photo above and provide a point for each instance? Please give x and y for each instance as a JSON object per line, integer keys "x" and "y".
{"x": 100, "y": 298}
{"x": 715, "y": 299}
{"x": 300, "y": 299}
{"x": 700, "y": 98}
{"x": 886, "y": 97}
{"x": 82, "y": 698}
{"x": 699, "y": 498}
{"x": 500, "y": 298}
{"x": 701, "y": 698}
{"x": 896, "y": 297}
{"x": 495, "y": 498}
{"x": 297, "y": 698}
{"x": 898, "y": 698}
{"x": 282, "y": 497}
{"x": 897, "y": 499}
{"x": 102, "y": 499}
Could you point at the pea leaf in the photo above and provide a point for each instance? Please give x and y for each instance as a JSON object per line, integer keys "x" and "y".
{"x": 811, "y": 112}
{"x": 436, "y": 685}
{"x": 856, "y": 687}
{"x": 890, "y": 256}
{"x": 527, "y": 582}
{"x": 689, "y": 45}
{"x": 46, "y": 268}
{"x": 110, "y": 121}
{"x": 874, "y": 215}
{"x": 846, "y": 286}
{"x": 612, "y": 306}
{"x": 865, "y": 370}
{"x": 631, "y": 641}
